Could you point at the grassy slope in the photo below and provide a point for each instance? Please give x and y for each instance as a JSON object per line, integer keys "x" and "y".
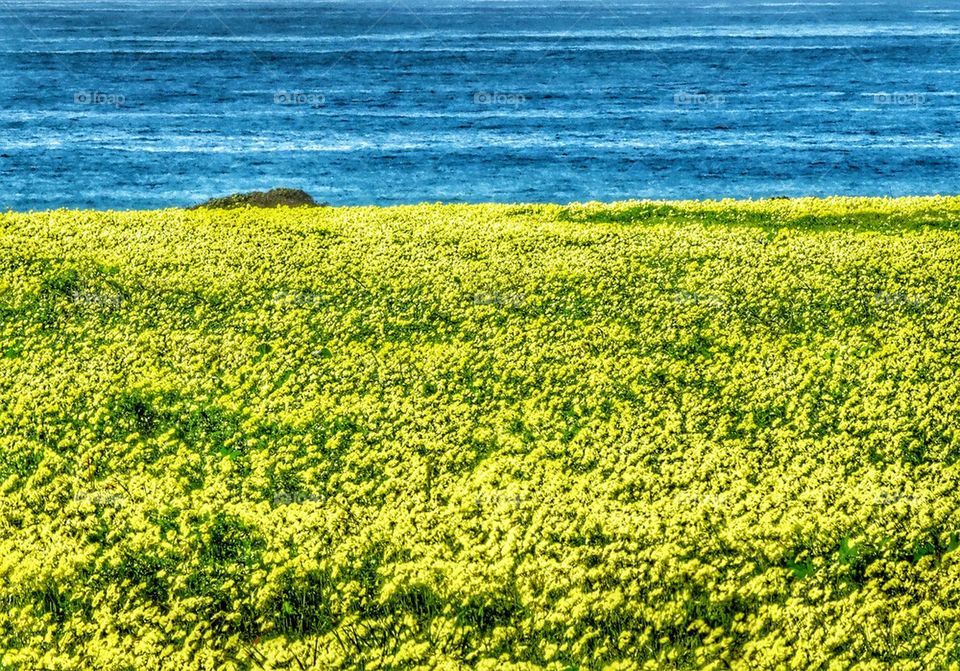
{"x": 702, "y": 435}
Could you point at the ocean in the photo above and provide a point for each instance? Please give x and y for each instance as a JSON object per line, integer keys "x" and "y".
{"x": 139, "y": 104}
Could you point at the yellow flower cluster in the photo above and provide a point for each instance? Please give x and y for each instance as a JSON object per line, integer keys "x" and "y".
{"x": 633, "y": 436}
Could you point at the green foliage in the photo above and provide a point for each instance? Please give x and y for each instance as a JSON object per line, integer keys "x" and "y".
{"x": 628, "y": 436}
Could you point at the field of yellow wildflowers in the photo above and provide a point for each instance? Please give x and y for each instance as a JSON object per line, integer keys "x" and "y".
{"x": 634, "y": 436}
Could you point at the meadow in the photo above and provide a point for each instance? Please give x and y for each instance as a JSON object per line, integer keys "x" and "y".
{"x": 644, "y": 435}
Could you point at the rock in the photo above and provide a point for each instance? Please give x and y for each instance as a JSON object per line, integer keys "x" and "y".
{"x": 272, "y": 198}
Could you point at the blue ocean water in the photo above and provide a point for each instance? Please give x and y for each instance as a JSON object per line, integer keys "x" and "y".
{"x": 137, "y": 104}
